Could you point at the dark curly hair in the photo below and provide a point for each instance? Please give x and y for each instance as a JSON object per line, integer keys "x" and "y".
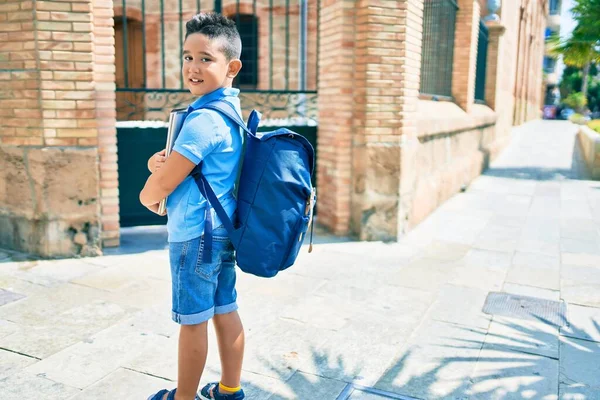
{"x": 217, "y": 26}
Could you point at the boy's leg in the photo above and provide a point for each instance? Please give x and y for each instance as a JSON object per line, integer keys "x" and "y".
{"x": 230, "y": 336}
{"x": 193, "y": 348}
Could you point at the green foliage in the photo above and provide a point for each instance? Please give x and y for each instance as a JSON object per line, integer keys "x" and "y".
{"x": 595, "y": 125}
{"x": 577, "y": 101}
{"x": 587, "y": 15}
{"x": 571, "y": 83}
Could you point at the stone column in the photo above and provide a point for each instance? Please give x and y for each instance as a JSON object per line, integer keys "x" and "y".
{"x": 387, "y": 77}
{"x": 368, "y": 93}
{"x": 494, "y": 66}
{"x": 56, "y": 88}
{"x": 336, "y": 69}
{"x": 465, "y": 53}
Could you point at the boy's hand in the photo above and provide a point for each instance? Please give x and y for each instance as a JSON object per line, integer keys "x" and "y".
{"x": 157, "y": 161}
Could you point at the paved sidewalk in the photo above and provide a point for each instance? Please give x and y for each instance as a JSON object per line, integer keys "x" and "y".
{"x": 351, "y": 320}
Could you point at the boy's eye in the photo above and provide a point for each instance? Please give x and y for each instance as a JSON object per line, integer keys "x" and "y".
{"x": 206, "y": 59}
{"x": 187, "y": 58}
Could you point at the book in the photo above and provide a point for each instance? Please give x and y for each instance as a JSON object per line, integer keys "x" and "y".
{"x": 176, "y": 118}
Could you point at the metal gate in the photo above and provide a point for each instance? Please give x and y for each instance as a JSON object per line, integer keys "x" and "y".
{"x": 278, "y": 77}
{"x": 279, "y": 56}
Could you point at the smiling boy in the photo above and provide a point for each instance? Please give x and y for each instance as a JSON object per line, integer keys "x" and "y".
{"x": 203, "y": 290}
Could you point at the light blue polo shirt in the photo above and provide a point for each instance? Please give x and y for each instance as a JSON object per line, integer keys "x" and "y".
{"x": 214, "y": 140}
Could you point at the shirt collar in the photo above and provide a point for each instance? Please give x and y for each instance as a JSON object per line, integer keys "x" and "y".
{"x": 214, "y": 95}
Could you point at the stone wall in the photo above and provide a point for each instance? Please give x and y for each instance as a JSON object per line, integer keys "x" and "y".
{"x": 453, "y": 149}
{"x": 589, "y": 140}
{"x": 388, "y": 159}
{"x": 57, "y": 132}
{"x": 45, "y": 209}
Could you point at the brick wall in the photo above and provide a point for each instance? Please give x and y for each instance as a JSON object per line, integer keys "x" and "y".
{"x": 20, "y": 111}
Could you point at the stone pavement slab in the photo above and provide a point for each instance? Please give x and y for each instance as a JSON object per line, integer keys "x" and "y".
{"x": 405, "y": 318}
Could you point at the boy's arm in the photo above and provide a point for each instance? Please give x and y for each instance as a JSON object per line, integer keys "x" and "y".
{"x": 198, "y": 138}
{"x": 162, "y": 183}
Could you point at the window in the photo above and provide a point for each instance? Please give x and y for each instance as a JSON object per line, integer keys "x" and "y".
{"x": 549, "y": 64}
{"x": 439, "y": 20}
{"x": 554, "y": 7}
{"x": 248, "y": 27}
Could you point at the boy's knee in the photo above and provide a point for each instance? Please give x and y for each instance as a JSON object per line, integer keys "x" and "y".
{"x": 195, "y": 327}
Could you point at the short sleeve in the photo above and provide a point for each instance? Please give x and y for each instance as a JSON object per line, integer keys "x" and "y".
{"x": 199, "y": 136}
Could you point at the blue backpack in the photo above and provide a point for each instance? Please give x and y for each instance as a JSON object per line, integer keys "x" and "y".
{"x": 275, "y": 197}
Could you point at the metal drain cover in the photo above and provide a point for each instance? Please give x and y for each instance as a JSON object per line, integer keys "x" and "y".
{"x": 524, "y": 307}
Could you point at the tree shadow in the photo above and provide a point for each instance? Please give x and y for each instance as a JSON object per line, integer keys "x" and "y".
{"x": 513, "y": 359}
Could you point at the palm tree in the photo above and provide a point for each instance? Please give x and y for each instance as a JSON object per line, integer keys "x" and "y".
{"x": 580, "y": 51}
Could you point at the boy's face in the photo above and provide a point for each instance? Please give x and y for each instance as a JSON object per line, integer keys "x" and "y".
{"x": 205, "y": 67}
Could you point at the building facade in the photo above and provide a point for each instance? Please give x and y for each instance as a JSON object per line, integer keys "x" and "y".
{"x": 551, "y": 78}
{"x": 412, "y": 99}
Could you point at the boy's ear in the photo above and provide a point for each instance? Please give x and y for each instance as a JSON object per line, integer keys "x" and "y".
{"x": 234, "y": 68}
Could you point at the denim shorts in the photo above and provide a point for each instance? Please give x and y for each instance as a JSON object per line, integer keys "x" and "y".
{"x": 201, "y": 290}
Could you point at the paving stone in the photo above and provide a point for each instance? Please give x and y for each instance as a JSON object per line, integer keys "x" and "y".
{"x": 124, "y": 384}
{"x": 539, "y": 246}
{"x": 88, "y": 361}
{"x": 587, "y": 260}
{"x": 578, "y": 228}
{"x": 347, "y": 356}
{"x": 307, "y": 386}
{"x": 574, "y": 273}
{"x": 534, "y": 260}
{"x": 435, "y": 363}
{"x": 52, "y": 273}
{"x": 23, "y": 385}
{"x": 538, "y": 277}
{"x": 579, "y": 361}
{"x": 499, "y": 238}
{"x": 44, "y": 305}
{"x": 578, "y": 392}
{"x": 479, "y": 277}
{"x": 531, "y": 291}
{"x": 62, "y": 329}
{"x": 577, "y": 292}
{"x": 6, "y": 296}
{"x": 523, "y": 336}
{"x": 406, "y": 304}
{"x": 504, "y": 374}
{"x": 584, "y": 323}
{"x": 446, "y": 251}
{"x": 493, "y": 260}
{"x": 575, "y": 208}
{"x": 460, "y": 305}
{"x": 280, "y": 349}
{"x": 590, "y": 245}
{"x": 13, "y": 363}
{"x": 425, "y": 274}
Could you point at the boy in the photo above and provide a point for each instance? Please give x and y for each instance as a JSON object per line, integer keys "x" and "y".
{"x": 202, "y": 291}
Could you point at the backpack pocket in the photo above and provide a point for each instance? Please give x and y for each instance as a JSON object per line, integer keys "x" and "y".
{"x": 300, "y": 230}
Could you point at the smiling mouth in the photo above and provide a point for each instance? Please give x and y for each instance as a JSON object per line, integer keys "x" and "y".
{"x": 196, "y": 80}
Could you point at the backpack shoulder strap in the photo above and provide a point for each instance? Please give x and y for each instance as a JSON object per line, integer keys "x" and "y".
{"x": 226, "y": 109}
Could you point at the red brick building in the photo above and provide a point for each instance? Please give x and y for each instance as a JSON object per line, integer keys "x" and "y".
{"x": 389, "y": 151}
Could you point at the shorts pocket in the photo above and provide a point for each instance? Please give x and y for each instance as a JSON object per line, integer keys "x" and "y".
{"x": 208, "y": 270}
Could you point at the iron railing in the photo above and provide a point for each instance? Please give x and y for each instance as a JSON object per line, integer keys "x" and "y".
{"x": 439, "y": 20}
{"x": 482, "y": 51}
{"x": 279, "y": 55}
